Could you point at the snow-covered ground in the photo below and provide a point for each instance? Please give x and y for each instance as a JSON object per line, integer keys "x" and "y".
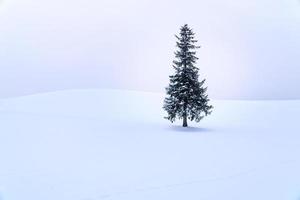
{"x": 115, "y": 145}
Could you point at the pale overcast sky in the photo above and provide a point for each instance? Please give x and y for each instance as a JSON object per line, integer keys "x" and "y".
{"x": 250, "y": 49}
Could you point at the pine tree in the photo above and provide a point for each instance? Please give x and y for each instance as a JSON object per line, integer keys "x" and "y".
{"x": 186, "y": 95}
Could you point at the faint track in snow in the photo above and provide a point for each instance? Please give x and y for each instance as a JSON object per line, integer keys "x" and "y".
{"x": 175, "y": 185}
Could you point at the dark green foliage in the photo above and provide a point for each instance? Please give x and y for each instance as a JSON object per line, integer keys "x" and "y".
{"x": 186, "y": 95}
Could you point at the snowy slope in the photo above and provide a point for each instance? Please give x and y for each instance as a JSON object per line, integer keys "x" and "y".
{"x": 115, "y": 145}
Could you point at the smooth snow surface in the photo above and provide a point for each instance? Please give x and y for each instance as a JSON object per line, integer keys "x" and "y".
{"x": 115, "y": 145}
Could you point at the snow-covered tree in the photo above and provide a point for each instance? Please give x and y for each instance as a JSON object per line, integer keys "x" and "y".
{"x": 186, "y": 95}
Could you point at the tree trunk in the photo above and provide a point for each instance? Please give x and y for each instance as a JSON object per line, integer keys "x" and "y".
{"x": 185, "y": 121}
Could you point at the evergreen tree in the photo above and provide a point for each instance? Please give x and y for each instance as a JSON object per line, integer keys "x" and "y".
{"x": 186, "y": 95}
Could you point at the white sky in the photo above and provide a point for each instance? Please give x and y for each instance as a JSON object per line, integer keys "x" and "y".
{"x": 250, "y": 49}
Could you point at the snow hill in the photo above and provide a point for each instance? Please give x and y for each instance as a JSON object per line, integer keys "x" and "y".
{"x": 115, "y": 145}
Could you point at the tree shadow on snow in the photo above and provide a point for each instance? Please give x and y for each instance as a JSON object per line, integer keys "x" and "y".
{"x": 190, "y": 129}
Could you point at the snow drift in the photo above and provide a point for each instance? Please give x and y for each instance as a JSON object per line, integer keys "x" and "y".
{"x": 110, "y": 144}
